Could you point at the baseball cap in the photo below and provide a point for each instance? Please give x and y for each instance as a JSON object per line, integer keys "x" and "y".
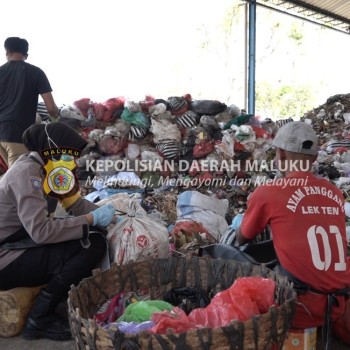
{"x": 297, "y": 137}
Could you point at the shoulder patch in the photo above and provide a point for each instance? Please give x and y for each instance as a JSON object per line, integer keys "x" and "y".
{"x": 36, "y": 182}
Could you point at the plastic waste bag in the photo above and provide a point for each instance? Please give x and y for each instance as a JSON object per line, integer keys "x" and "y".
{"x": 133, "y": 327}
{"x": 142, "y": 311}
{"x": 176, "y": 320}
{"x": 247, "y": 297}
{"x": 137, "y": 118}
{"x": 137, "y": 237}
{"x": 114, "y": 308}
{"x": 186, "y": 298}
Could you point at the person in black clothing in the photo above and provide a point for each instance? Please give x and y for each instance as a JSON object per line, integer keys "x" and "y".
{"x": 20, "y": 86}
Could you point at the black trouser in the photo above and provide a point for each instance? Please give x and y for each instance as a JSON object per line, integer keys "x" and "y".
{"x": 58, "y": 265}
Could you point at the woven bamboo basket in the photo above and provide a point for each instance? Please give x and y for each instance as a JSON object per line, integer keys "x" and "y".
{"x": 267, "y": 331}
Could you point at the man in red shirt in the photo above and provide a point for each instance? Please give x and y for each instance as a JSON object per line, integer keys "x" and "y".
{"x": 307, "y": 222}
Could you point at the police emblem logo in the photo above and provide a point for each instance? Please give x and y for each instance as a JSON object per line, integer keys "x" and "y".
{"x": 36, "y": 182}
{"x": 59, "y": 176}
{"x": 61, "y": 180}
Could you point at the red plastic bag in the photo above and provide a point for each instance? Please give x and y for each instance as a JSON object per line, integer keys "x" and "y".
{"x": 205, "y": 176}
{"x": 111, "y": 310}
{"x": 260, "y": 290}
{"x": 194, "y": 168}
{"x": 186, "y": 231}
{"x": 176, "y": 319}
{"x": 211, "y": 317}
{"x": 238, "y": 147}
{"x": 111, "y": 145}
{"x": 248, "y": 296}
{"x": 261, "y": 133}
{"x": 146, "y": 103}
{"x": 203, "y": 148}
{"x": 112, "y": 105}
{"x": 99, "y": 110}
{"x": 83, "y": 105}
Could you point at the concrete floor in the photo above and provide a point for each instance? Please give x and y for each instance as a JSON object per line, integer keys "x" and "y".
{"x": 17, "y": 343}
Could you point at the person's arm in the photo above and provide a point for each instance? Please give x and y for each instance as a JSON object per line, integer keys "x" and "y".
{"x": 77, "y": 205}
{"x": 256, "y": 217}
{"x": 50, "y": 104}
{"x": 90, "y": 218}
{"x": 240, "y": 239}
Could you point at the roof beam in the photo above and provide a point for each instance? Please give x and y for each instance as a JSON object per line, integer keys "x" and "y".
{"x": 309, "y": 13}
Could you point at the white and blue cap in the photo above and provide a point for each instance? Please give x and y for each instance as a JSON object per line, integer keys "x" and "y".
{"x": 297, "y": 137}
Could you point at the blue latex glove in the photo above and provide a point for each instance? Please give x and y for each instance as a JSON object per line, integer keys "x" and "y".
{"x": 120, "y": 218}
{"x": 237, "y": 220}
{"x": 104, "y": 215}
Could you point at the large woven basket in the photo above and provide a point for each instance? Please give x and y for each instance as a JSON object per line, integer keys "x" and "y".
{"x": 267, "y": 331}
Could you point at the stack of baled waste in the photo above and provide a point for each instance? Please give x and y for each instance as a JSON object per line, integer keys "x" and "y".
{"x": 185, "y": 143}
{"x": 204, "y": 147}
{"x": 190, "y": 148}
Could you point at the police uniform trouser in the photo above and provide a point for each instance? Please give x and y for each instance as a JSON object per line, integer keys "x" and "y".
{"x": 58, "y": 265}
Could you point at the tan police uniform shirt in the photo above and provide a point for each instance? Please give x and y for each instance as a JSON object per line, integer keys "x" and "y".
{"x": 23, "y": 202}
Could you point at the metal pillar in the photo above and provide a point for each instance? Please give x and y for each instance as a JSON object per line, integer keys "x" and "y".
{"x": 251, "y": 56}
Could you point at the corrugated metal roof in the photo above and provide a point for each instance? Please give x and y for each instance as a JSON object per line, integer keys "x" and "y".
{"x": 334, "y": 14}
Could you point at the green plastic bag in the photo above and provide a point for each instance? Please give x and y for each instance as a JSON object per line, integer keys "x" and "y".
{"x": 239, "y": 120}
{"x": 141, "y": 311}
{"x": 137, "y": 118}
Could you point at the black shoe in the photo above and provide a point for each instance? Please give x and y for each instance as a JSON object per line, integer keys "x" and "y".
{"x": 49, "y": 327}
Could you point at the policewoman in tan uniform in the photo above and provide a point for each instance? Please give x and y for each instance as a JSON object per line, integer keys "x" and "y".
{"x": 36, "y": 248}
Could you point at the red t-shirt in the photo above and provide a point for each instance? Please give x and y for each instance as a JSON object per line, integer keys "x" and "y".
{"x": 307, "y": 222}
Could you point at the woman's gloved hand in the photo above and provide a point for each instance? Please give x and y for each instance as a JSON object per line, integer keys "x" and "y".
{"x": 104, "y": 215}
